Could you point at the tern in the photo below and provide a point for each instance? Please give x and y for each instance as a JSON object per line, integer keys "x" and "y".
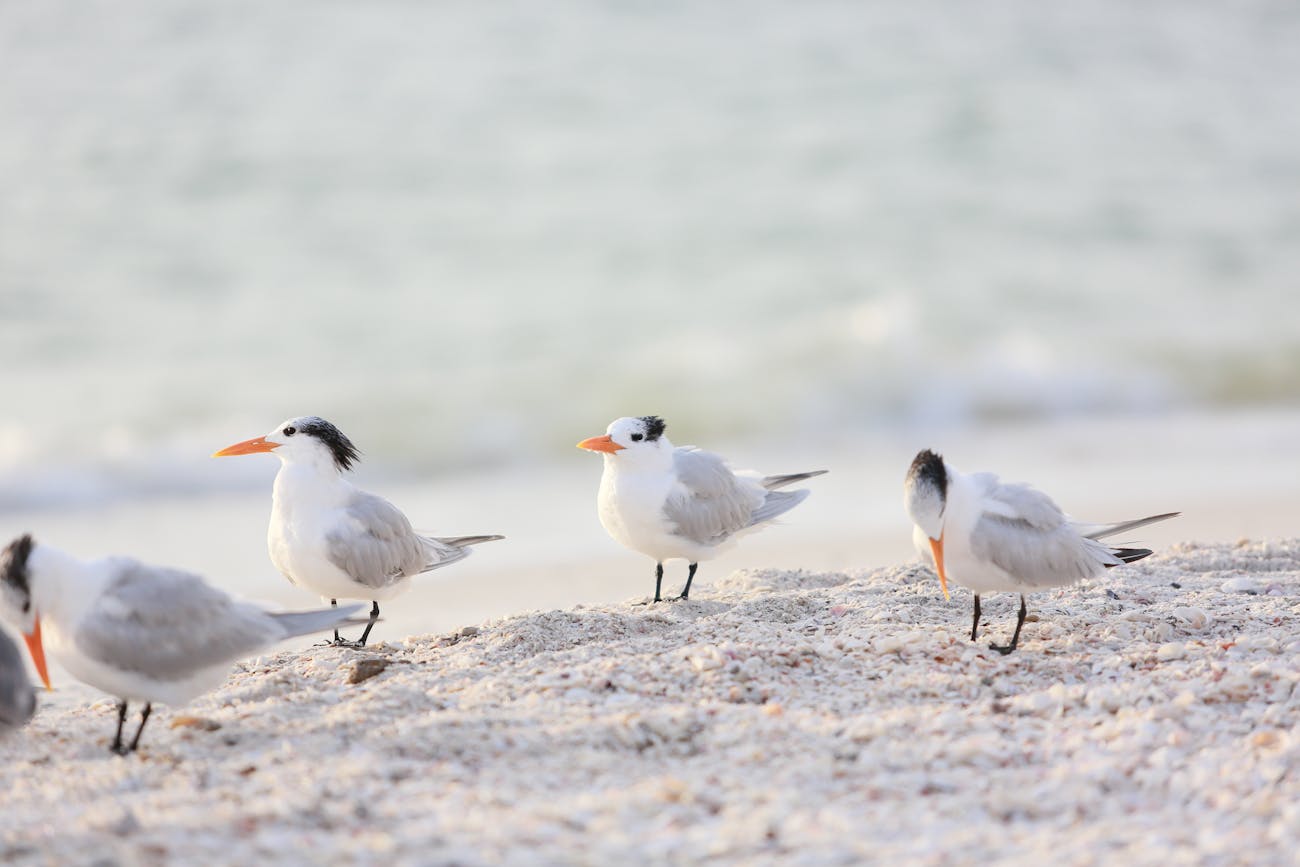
{"x": 138, "y": 632}
{"x": 680, "y": 503}
{"x": 17, "y": 698}
{"x": 1009, "y": 538}
{"x": 332, "y": 538}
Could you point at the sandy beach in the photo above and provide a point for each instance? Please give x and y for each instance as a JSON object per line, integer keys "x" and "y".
{"x": 783, "y": 715}
{"x": 1054, "y": 243}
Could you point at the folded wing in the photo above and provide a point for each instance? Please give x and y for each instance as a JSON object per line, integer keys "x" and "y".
{"x": 166, "y": 624}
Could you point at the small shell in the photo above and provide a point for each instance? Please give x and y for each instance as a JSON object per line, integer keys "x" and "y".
{"x": 1172, "y": 650}
{"x": 1192, "y": 618}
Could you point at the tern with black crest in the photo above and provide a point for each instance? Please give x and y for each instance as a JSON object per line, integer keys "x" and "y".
{"x": 138, "y": 632}
{"x": 990, "y": 536}
{"x": 332, "y": 538}
{"x": 680, "y": 503}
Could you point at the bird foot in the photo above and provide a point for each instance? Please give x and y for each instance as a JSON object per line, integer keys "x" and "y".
{"x": 678, "y": 599}
{"x": 119, "y": 750}
{"x": 340, "y": 642}
{"x": 1004, "y": 649}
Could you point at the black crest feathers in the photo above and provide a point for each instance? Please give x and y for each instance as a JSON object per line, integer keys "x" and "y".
{"x": 928, "y": 467}
{"x": 13, "y": 564}
{"x": 345, "y": 453}
{"x": 654, "y": 427}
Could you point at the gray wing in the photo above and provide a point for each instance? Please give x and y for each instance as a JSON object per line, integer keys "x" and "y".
{"x": 376, "y": 545}
{"x": 1024, "y": 533}
{"x": 17, "y": 698}
{"x": 714, "y": 504}
{"x": 1022, "y": 503}
{"x": 167, "y": 624}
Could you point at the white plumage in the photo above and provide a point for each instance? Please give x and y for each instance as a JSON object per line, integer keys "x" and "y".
{"x": 990, "y": 536}
{"x": 327, "y": 536}
{"x": 680, "y": 503}
{"x": 136, "y": 631}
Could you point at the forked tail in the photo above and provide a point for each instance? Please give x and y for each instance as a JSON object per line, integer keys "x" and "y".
{"x": 776, "y": 504}
{"x": 774, "y": 482}
{"x": 1101, "y": 531}
{"x": 1129, "y": 555}
{"x": 306, "y": 622}
{"x": 465, "y": 541}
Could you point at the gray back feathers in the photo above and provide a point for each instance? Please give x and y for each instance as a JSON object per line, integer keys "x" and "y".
{"x": 1026, "y": 534}
{"x": 377, "y": 547}
{"x": 1037, "y": 556}
{"x": 720, "y": 504}
{"x": 716, "y": 504}
{"x": 167, "y": 624}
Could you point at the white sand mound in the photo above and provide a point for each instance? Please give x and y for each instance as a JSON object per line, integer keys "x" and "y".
{"x": 782, "y": 716}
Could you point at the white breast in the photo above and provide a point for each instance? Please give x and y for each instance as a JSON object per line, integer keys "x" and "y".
{"x": 303, "y": 515}
{"x": 962, "y": 512}
{"x": 631, "y": 509}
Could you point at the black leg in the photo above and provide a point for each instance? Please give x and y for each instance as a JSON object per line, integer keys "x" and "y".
{"x": 975, "y": 623}
{"x": 686, "y": 592}
{"x": 1015, "y": 638}
{"x": 659, "y": 584}
{"x": 334, "y": 603}
{"x": 117, "y": 738}
{"x": 374, "y": 616}
{"x": 144, "y": 718}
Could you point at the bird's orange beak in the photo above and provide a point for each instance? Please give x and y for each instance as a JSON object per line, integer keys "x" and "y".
{"x": 37, "y": 650}
{"x": 936, "y": 548}
{"x": 247, "y": 447}
{"x": 600, "y": 444}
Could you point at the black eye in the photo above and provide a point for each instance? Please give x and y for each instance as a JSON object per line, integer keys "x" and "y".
{"x": 636, "y": 438}
{"x": 27, "y": 606}
{"x": 290, "y": 431}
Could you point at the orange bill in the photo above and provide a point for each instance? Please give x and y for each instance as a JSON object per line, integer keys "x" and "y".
{"x": 37, "y": 650}
{"x": 247, "y": 447}
{"x": 600, "y": 444}
{"x": 936, "y": 548}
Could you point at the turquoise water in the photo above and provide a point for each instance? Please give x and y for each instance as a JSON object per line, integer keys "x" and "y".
{"x": 473, "y": 233}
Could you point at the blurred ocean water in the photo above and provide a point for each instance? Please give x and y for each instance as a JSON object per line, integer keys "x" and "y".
{"x": 472, "y": 233}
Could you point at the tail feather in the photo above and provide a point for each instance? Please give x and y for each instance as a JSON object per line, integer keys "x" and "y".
{"x": 1129, "y": 555}
{"x": 774, "y": 482}
{"x": 463, "y": 541}
{"x": 306, "y": 622}
{"x": 777, "y": 503}
{"x": 443, "y": 551}
{"x": 1101, "y": 531}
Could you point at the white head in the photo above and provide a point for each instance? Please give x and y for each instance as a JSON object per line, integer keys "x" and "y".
{"x": 632, "y": 441}
{"x": 304, "y": 440}
{"x": 17, "y": 607}
{"x": 925, "y": 496}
